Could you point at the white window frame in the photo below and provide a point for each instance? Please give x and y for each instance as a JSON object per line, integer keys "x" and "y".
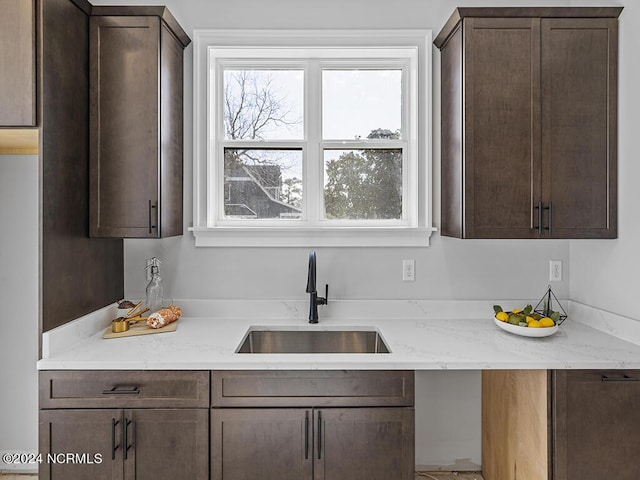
{"x": 346, "y": 48}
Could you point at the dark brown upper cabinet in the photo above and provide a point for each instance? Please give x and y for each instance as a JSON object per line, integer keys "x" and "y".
{"x": 136, "y": 122}
{"x": 18, "y": 64}
{"x": 529, "y": 122}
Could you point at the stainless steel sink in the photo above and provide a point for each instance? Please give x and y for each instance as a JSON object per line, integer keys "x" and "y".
{"x": 312, "y": 341}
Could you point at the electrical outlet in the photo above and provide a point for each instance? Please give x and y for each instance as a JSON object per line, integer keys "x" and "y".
{"x": 555, "y": 270}
{"x": 408, "y": 270}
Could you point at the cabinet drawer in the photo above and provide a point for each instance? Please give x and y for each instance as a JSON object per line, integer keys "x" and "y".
{"x": 143, "y": 389}
{"x": 595, "y": 376}
{"x": 316, "y": 388}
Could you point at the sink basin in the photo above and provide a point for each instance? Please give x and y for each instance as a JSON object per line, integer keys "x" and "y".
{"x": 312, "y": 341}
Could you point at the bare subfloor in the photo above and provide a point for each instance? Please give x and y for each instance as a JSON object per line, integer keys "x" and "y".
{"x": 419, "y": 476}
{"x": 449, "y": 476}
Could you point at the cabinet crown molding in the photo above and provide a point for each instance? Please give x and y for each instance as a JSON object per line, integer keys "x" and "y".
{"x": 521, "y": 12}
{"x": 151, "y": 11}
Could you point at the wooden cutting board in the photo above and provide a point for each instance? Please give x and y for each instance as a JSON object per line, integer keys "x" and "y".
{"x": 140, "y": 328}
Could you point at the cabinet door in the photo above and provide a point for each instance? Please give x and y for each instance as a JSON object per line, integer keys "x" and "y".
{"x": 17, "y": 64}
{"x": 596, "y": 425}
{"x": 364, "y": 444}
{"x": 262, "y": 443}
{"x": 92, "y": 438}
{"x": 166, "y": 444}
{"x": 124, "y": 126}
{"x": 579, "y": 132}
{"x": 501, "y": 127}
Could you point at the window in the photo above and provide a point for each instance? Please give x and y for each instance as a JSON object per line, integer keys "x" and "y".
{"x": 312, "y": 138}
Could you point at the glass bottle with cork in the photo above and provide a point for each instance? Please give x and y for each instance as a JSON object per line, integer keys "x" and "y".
{"x": 155, "y": 294}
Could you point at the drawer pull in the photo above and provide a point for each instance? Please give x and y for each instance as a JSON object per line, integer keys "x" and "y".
{"x": 114, "y": 447}
{"x": 624, "y": 378}
{"x": 122, "y": 391}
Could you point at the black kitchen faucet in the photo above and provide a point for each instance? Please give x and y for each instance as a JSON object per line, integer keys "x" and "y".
{"x": 314, "y": 299}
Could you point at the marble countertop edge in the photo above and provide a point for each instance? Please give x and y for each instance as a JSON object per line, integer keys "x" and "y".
{"x": 432, "y": 341}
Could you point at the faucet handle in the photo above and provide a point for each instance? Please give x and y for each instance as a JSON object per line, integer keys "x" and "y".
{"x": 324, "y": 300}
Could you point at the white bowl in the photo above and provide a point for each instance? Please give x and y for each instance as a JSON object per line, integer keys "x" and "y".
{"x": 526, "y": 331}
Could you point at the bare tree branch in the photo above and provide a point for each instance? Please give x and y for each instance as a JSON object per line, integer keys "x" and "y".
{"x": 253, "y": 106}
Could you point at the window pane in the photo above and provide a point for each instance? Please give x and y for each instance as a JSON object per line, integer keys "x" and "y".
{"x": 260, "y": 183}
{"x": 358, "y": 104}
{"x": 363, "y": 184}
{"x": 263, "y": 104}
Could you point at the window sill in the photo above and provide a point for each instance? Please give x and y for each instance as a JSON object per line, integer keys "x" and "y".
{"x": 301, "y": 237}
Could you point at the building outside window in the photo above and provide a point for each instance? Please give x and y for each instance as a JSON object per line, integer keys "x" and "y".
{"x": 312, "y": 139}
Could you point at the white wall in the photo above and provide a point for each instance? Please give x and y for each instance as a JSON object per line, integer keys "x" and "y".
{"x": 19, "y": 303}
{"x": 606, "y": 274}
{"x": 449, "y": 269}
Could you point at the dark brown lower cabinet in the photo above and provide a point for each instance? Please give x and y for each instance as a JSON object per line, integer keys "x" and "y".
{"x": 596, "y": 424}
{"x": 312, "y": 425}
{"x": 124, "y": 444}
{"x": 232, "y": 425}
{"x": 100, "y": 424}
{"x": 313, "y": 443}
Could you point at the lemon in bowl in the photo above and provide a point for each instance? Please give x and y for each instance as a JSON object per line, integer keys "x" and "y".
{"x": 524, "y": 322}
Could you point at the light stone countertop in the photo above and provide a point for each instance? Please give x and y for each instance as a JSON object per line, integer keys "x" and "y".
{"x": 424, "y": 336}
